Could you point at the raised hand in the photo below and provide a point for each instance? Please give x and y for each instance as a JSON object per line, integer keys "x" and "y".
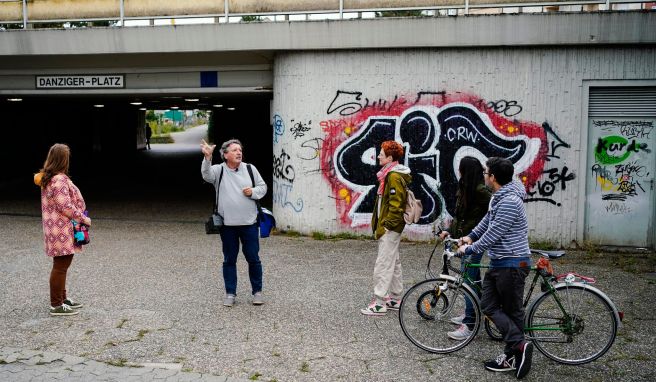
{"x": 207, "y": 149}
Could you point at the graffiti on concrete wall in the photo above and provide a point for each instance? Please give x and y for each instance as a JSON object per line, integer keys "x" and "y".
{"x": 282, "y": 196}
{"x": 284, "y": 173}
{"x": 299, "y": 129}
{"x": 554, "y": 178}
{"x": 282, "y": 167}
{"x": 618, "y": 171}
{"x": 437, "y": 129}
{"x": 278, "y": 127}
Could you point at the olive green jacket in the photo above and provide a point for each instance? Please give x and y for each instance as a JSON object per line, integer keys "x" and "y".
{"x": 465, "y": 220}
{"x": 392, "y": 202}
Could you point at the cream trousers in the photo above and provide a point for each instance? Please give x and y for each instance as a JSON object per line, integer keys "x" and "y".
{"x": 387, "y": 271}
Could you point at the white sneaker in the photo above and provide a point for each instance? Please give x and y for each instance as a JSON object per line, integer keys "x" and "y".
{"x": 392, "y": 303}
{"x": 457, "y": 320}
{"x": 462, "y": 333}
{"x": 229, "y": 300}
{"x": 375, "y": 308}
{"x": 258, "y": 299}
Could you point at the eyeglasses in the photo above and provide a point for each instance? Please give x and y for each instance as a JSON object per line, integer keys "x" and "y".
{"x": 487, "y": 173}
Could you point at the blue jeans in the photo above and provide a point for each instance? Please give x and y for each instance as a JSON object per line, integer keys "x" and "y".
{"x": 248, "y": 235}
{"x": 475, "y": 274}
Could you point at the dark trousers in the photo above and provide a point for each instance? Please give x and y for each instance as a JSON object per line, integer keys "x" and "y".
{"x": 231, "y": 236}
{"x": 60, "y": 266}
{"x": 502, "y": 302}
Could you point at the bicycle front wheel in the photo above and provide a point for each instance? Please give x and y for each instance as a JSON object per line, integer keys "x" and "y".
{"x": 426, "y": 311}
{"x": 579, "y": 332}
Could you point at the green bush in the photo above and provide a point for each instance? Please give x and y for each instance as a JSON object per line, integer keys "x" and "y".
{"x": 250, "y": 18}
{"x": 163, "y": 138}
{"x": 166, "y": 128}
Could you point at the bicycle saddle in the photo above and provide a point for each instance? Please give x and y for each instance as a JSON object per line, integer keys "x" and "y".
{"x": 551, "y": 254}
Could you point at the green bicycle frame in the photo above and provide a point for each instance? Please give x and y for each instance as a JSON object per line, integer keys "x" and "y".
{"x": 546, "y": 285}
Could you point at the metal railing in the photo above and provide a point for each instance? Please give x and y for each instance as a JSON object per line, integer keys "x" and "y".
{"x": 451, "y": 8}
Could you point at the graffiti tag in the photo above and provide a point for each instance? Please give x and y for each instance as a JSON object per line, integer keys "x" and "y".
{"x": 282, "y": 169}
{"x": 278, "y": 127}
{"x": 299, "y": 129}
{"x": 556, "y": 180}
{"x": 281, "y": 193}
{"x": 616, "y": 149}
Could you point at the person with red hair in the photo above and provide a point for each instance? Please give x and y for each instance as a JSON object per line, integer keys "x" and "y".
{"x": 387, "y": 224}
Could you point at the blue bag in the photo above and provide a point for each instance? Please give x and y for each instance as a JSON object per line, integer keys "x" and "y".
{"x": 266, "y": 221}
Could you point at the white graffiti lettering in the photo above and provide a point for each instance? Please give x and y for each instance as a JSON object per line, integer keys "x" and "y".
{"x": 462, "y": 133}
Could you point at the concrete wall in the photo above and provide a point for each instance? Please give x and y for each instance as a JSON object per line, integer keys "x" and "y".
{"x": 244, "y": 41}
{"x": 331, "y": 108}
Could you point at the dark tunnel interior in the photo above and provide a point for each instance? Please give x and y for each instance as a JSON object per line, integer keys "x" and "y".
{"x": 106, "y": 164}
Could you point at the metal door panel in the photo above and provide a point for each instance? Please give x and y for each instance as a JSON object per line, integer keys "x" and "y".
{"x": 620, "y": 181}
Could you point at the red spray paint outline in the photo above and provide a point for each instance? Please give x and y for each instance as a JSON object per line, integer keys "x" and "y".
{"x": 339, "y": 130}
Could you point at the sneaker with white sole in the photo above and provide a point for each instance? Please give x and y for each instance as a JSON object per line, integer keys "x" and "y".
{"x": 462, "y": 333}
{"x": 73, "y": 304}
{"x": 375, "y": 308}
{"x": 258, "y": 299}
{"x": 62, "y": 310}
{"x": 523, "y": 356}
{"x": 392, "y": 303}
{"x": 229, "y": 300}
{"x": 502, "y": 363}
{"x": 457, "y": 320}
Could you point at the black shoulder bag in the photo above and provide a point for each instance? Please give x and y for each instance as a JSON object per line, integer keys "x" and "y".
{"x": 215, "y": 222}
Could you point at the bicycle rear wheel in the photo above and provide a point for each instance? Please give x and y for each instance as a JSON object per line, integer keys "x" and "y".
{"x": 426, "y": 311}
{"x": 583, "y": 332}
{"x": 492, "y": 330}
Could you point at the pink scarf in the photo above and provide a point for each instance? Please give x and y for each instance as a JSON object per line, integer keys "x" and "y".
{"x": 382, "y": 174}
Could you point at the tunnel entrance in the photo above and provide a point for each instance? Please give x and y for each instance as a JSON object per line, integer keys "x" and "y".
{"x": 107, "y": 136}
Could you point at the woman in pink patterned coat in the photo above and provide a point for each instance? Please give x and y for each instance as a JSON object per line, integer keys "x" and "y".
{"x": 61, "y": 202}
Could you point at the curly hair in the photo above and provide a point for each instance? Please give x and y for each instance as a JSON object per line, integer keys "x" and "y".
{"x": 393, "y": 149}
{"x": 226, "y": 144}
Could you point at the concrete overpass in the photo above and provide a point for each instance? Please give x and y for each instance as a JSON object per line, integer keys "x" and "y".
{"x": 275, "y": 74}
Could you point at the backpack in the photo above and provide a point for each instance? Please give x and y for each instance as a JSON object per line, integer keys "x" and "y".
{"x": 413, "y": 207}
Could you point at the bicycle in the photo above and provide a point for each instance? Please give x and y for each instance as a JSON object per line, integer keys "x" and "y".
{"x": 570, "y": 322}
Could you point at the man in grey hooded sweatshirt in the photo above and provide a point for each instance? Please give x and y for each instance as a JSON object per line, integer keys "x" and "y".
{"x": 503, "y": 232}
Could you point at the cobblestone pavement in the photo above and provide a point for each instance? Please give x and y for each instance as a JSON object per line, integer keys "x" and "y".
{"x": 31, "y": 365}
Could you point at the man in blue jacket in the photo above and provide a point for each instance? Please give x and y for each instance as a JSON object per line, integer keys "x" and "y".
{"x": 503, "y": 232}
